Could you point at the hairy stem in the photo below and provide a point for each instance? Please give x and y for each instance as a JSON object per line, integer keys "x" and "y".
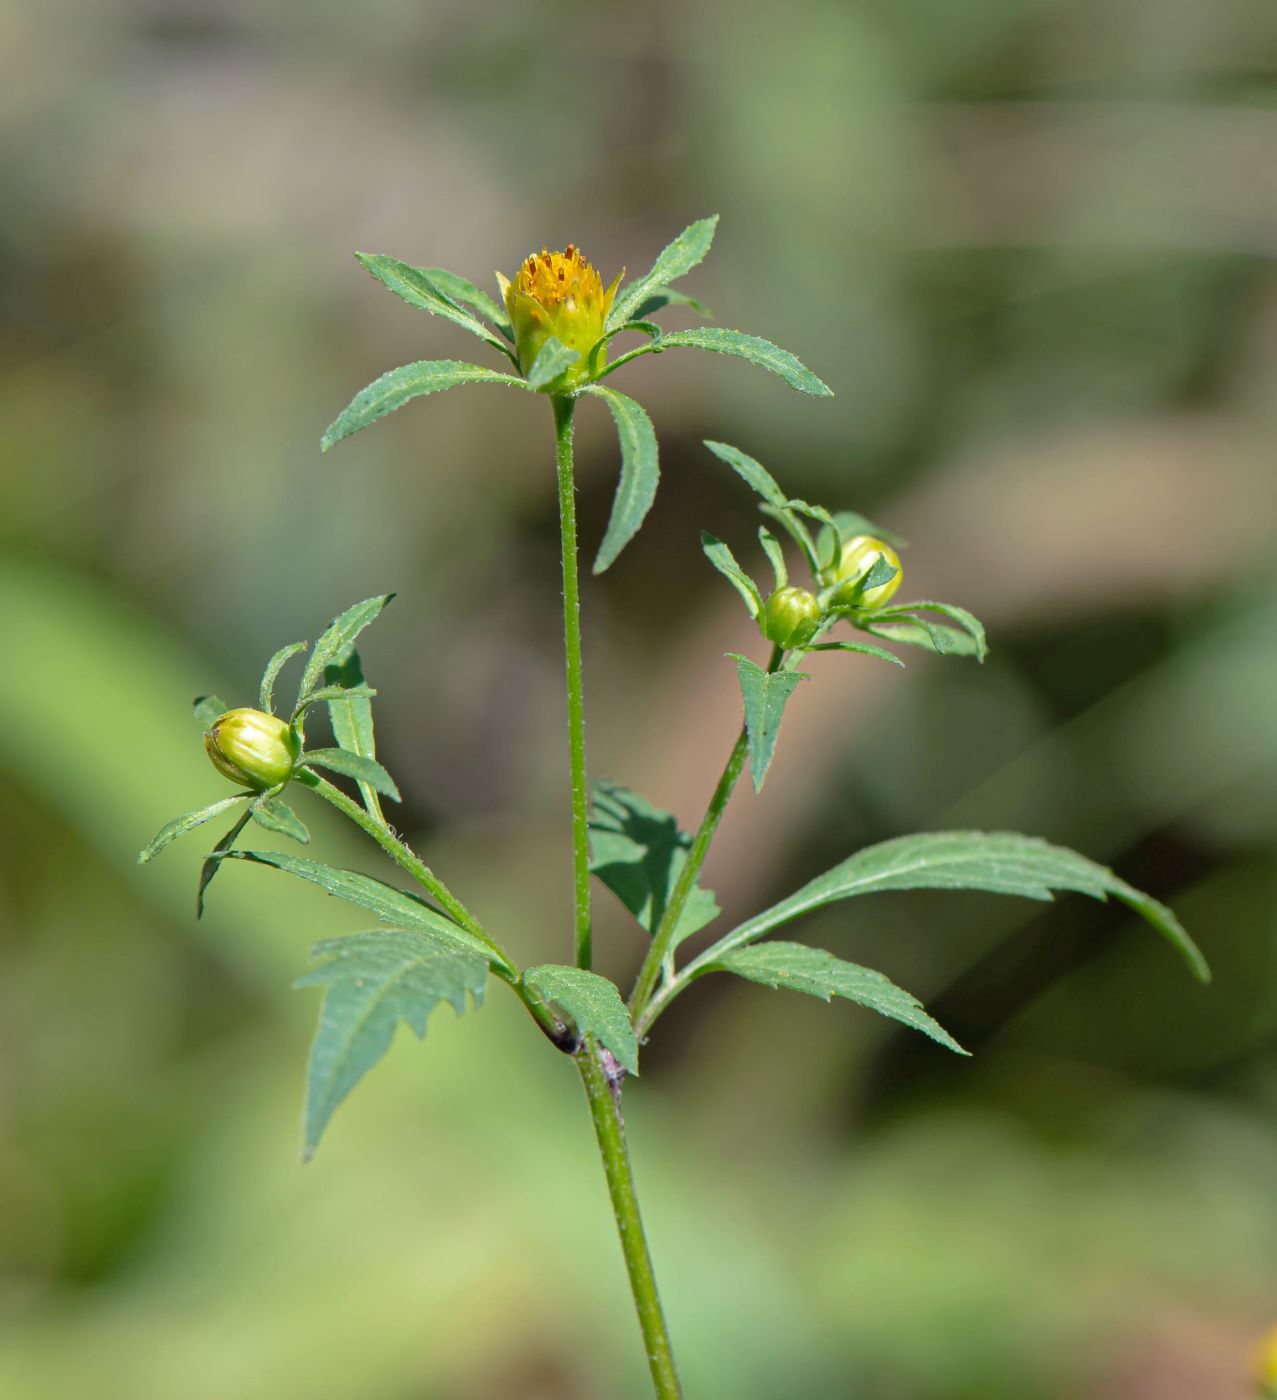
{"x": 604, "y": 1096}
{"x": 563, "y": 408}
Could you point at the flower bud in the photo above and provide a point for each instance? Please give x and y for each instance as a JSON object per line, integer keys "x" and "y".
{"x": 561, "y": 295}
{"x": 791, "y": 617}
{"x": 859, "y": 556}
{"x": 253, "y": 749}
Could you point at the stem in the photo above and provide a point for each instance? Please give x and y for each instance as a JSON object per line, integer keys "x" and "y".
{"x": 604, "y": 1096}
{"x": 563, "y": 407}
{"x": 663, "y": 938}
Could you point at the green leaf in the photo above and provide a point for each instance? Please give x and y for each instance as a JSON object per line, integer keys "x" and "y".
{"x": 862, "y": 647}
{"x": 416, "y": 286}
{"x": 638, "y": 852}
{"x": 881, "y": 571}
{"x": 851, "y": 523}
{"x": 724, "y": 561}
{"x": 995, "y": 862}
{"x": 274, "y": 666}
{"x": 208, "y": 710}
{"x": 640, "y": 472}
{"x": 553, "y": 359}
{"x": 276, "y": 815}
{"x": 764, "y": 694}
{"x": 351, "y": 714}
{"x": 591, "y": 1003}
{"x": 798, "y": 968}
{"x": 373, "y": 981}
{"x": 751, "y": 472}
{"x": 465, "y": 293}
{"x": 774, "y": 553}
{"x": 353, "y": 765}
{"x": 754, "y": 349}
{"x": 213, "y": 861}
{"x": 666, "y": 296}
{"x": 335, "y": 692}
{"x": 675, "y": 260}
{"x": 934, "y": 636}
{"x": 909, "y": 612}
{"x": 336, "y": 637}
{"x": 395, "y": 388}
{"x": 179, "y": 826}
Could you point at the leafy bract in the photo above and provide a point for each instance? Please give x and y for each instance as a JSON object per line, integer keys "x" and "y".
{"x": 350, "y": 712}
{"x": 276, "y": 815}
{"x": 675, "y": 260}
{"x": 640, "y": 473}
{"x": 754, "y": 349}
{"x": 638, "y": 852}
{"x": 396, "y": 387}
{"x": 812, "y": 970}
{"x": 336, "y": 638}
{"x": 465, "y": 293}
{"x": 764, "y": 694}
{"x": 266, "y": 695}
{"x": 188, "y": 821}
{"x": 372, "y": 982}
{"x": 418, "y": 288}
{"x": 553, "y": 359}
{"x": 995, "y": 862}
{"x": 208, "y": 709}
{"x": 724, "y": 561}
{"x": 592, "y": 1004}
{"x": 353, "y": 765}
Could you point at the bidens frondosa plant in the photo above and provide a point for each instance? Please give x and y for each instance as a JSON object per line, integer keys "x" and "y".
{"x": 555, "y": 327}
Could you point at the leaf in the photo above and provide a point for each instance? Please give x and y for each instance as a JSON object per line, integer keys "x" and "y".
{"x": 553, "y": 359}
{"x": 395, "y": 388}
{"x": 416, "y": 286}
{"x": 213, "y": 861}
{"x": 774, "y": 553}
{"x": 465, "y": 293}
{"x": 970, "y": 624}
{"x": 750, "y": 471}
{"x": 995, "y": 862}
{"x": 336, "y": 637}
{"x": 640, "y": 473}
{"x": 274, "y": 666}
{"x": 373, "y": 981}
{"x": 335, "y": 692}
{"x": 724, "y": 561}
{"x": 638, "y": 852}
{"x": 881, "y": 571}
{"x": 593, "y": 1005}
{"x": 675, "y": 260}
{"x": 276, "y": 815}
{"x": 353, "y": 765}
{"x": 208, "y": 710}
{"x": 862, "y": 647}
{"x": 764, "y": 694}
{"x": 851, "y": 523}
{"x": 798, "y": 968}
{"x": 934, "y": 636}
{"x": 179, "y": 826}
{"x": 754, "y": 349}
{"x": 666, "y": 296}
{"x": 351, "y": 714}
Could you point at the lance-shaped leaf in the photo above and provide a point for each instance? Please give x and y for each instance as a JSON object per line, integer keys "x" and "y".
{"x": 398, "y": 386}
{"x": 724, "y": 561}
{"x": 465, "y": 293}
{"x": 753, "y": 348}
{"x": 208, "y": 709}
{"x": 266, "y": 695}
{"x": 553, "y": 359}
{"x": 933, "y": 636}
{"x": 995, "y": 862}
{"x": 372, "y": 982}
{"x": 416, "y": 286}
{"x": 912, "y": 612}
{"x": 666, "y": 296}
{"x": 336, "y": 637}
{"x": 775, "y": 555}
{"x": 591, "y": 1003}
{"x": 335, "y": 692}
{"x": 775, "y": 502}
{"x": 213, "y": 861}
{"x": 764, "y": 694}
{"x": 353, "y": 765}
{"x": 638, "y": 852}
{"x": 640, "y": 473}
{"x": 675, "y": 260}
{"x": 798, "y": 968}
{"x": 275, "y": 815}
{"x": 179, "y": 826}
{"x": 862, "y": 647}
{"x": 350, "y": 712}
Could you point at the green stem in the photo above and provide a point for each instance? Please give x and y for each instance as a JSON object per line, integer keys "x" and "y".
{"x": 604, "y": 1096}
{"x": 563, "y": 407}
{"x": 663, "y": 938}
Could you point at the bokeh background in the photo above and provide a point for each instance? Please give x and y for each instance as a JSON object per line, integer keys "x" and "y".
{"x": 1031, "y": 245}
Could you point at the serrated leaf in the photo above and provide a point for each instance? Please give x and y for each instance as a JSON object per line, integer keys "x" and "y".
{"x": 764, "y": 694}
{"x": 351, "y": 714}
{"x": 416, "y": 286}
{"x": 640, "y": 473}
{"x": 638, "y": 852}
{"x": 465, "y": 293}
{"x": 395, "y": 388}
{"x": 276, "y": 815}
{"x": 188, "y": 821}
{"x": 724, "y": 561}
{"x": 666, "y": 296}
{"x": 213, "y": 861}
{"x": 274, "y": 666}
{"x": 994, "y": 862}
{"x": 753, "y": 348}
{"x": 797, "y": 968}
{"x": 862, "y": 647}
{"x": 373, "y": 981}
{"x": 208, "y": 709}
{"x": 336, "y": 637}
{"x": 675, "y": 260}
{"x": 553, "y": 359}
{"x": 591, "y": 1003}
{"x": 353, "y": 765}
{"x": 775, "y": 555}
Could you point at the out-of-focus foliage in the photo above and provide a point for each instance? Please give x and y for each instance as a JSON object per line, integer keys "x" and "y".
{"x": 1030, "y": 246}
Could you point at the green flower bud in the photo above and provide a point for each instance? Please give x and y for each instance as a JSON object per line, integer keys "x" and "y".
{"x": 253, "y": 749}
{"x": 859, "y": 555}
{"x": 791, "y": 617}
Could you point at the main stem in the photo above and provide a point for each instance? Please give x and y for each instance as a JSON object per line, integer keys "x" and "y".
{"x": 563, "y": 407}
{"x": 605, "y": 1108}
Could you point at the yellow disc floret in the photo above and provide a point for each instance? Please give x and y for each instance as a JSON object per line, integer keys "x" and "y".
{"x": 560, "y": 295}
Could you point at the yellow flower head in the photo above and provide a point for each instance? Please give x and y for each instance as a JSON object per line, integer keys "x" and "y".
{"x": 561, "y": 295}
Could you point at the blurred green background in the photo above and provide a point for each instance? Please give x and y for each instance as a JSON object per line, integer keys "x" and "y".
{"x": 1031, "y": 246}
